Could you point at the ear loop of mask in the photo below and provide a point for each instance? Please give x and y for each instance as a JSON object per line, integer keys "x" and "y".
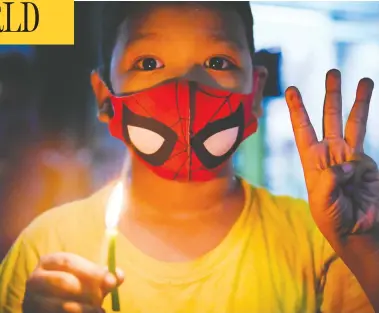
{"x": 256, "y": 76}
{"x": 105, "y": 78}
{"x": 106, "y": 111}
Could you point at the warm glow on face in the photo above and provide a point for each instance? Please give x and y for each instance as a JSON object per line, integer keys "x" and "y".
{"x": 114, "y": 207}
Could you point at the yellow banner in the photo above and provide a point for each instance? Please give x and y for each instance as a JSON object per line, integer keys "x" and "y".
{"x": 37, "y": 22}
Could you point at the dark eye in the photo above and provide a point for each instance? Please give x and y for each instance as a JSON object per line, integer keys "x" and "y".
{"x": 148, "y": 64}
{"x": 219, "y": 64}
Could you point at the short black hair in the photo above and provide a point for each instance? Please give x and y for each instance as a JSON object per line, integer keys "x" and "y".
{"x": 115, "y": 12}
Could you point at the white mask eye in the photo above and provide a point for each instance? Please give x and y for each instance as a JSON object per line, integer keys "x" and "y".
{"x": 221, "y": 142}
{"x": 146, "y": 141}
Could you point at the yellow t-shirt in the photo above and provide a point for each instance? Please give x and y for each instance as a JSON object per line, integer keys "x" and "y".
{"x": 273, "y": 260}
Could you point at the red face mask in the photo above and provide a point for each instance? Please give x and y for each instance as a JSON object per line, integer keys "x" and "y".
{"x": 182, "y": 130}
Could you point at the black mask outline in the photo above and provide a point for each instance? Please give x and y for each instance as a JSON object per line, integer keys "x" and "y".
{"x": 170, "y": 137}
{"x": 209, "y": 160}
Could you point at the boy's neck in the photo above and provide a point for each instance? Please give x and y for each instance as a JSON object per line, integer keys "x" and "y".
{"x": 154, "y": 196}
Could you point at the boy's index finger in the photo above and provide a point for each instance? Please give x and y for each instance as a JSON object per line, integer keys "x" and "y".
{"x": 76, "y": 265}
{"x": 305, "y": 135}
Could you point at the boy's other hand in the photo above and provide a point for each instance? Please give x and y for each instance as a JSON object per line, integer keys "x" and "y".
{"x": 65, "y": 282}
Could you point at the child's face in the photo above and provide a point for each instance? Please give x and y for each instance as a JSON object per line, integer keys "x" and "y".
{"x": 191, "y": 41}
{"x": 170, "y": 41}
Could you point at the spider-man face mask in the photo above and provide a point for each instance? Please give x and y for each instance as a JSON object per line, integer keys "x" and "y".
{"x": 182, "y": 130}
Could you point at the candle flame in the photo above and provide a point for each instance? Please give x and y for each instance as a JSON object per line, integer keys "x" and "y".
{"x": 114, "y": 206}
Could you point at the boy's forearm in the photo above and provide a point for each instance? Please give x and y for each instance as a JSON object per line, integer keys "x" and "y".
{"x": 361, "y": 254}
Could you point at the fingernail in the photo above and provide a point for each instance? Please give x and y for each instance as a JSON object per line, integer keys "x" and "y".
{"x": 291, "y": 94}
{"x": 347, "y": 167}
{"x": 110, "y": 279}
{"x": 120, "y": 273}
{"x": 371, "y": 215}
{"x": 336, "y": 73}
{"x": 359, "y": 222}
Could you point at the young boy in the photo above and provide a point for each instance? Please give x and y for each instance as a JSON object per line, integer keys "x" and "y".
{"x": 178, "y": 85}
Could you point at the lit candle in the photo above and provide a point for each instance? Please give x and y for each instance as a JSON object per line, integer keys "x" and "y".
{"x": 114, "y": 208}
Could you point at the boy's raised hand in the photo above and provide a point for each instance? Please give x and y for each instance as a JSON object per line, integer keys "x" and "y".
{"x": 342, "y": 182}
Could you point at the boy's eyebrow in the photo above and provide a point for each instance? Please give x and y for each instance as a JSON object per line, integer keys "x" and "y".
{"x": 215, "y": 37}
{"x": 140, "y": 36}
{"x": 230, "y": 40}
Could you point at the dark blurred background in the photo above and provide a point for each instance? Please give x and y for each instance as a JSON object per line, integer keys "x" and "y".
{"x": 53, "y": 150}
{"x": 51, "y": 147}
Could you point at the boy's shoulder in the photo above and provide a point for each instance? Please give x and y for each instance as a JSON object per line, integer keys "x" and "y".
{"x": 287, "y": 215}
{"x": 289, "y": 224}
{"x": 70, "y": 222}
{"x": 283, "y": 207}
{"x": 85, "y": 207}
